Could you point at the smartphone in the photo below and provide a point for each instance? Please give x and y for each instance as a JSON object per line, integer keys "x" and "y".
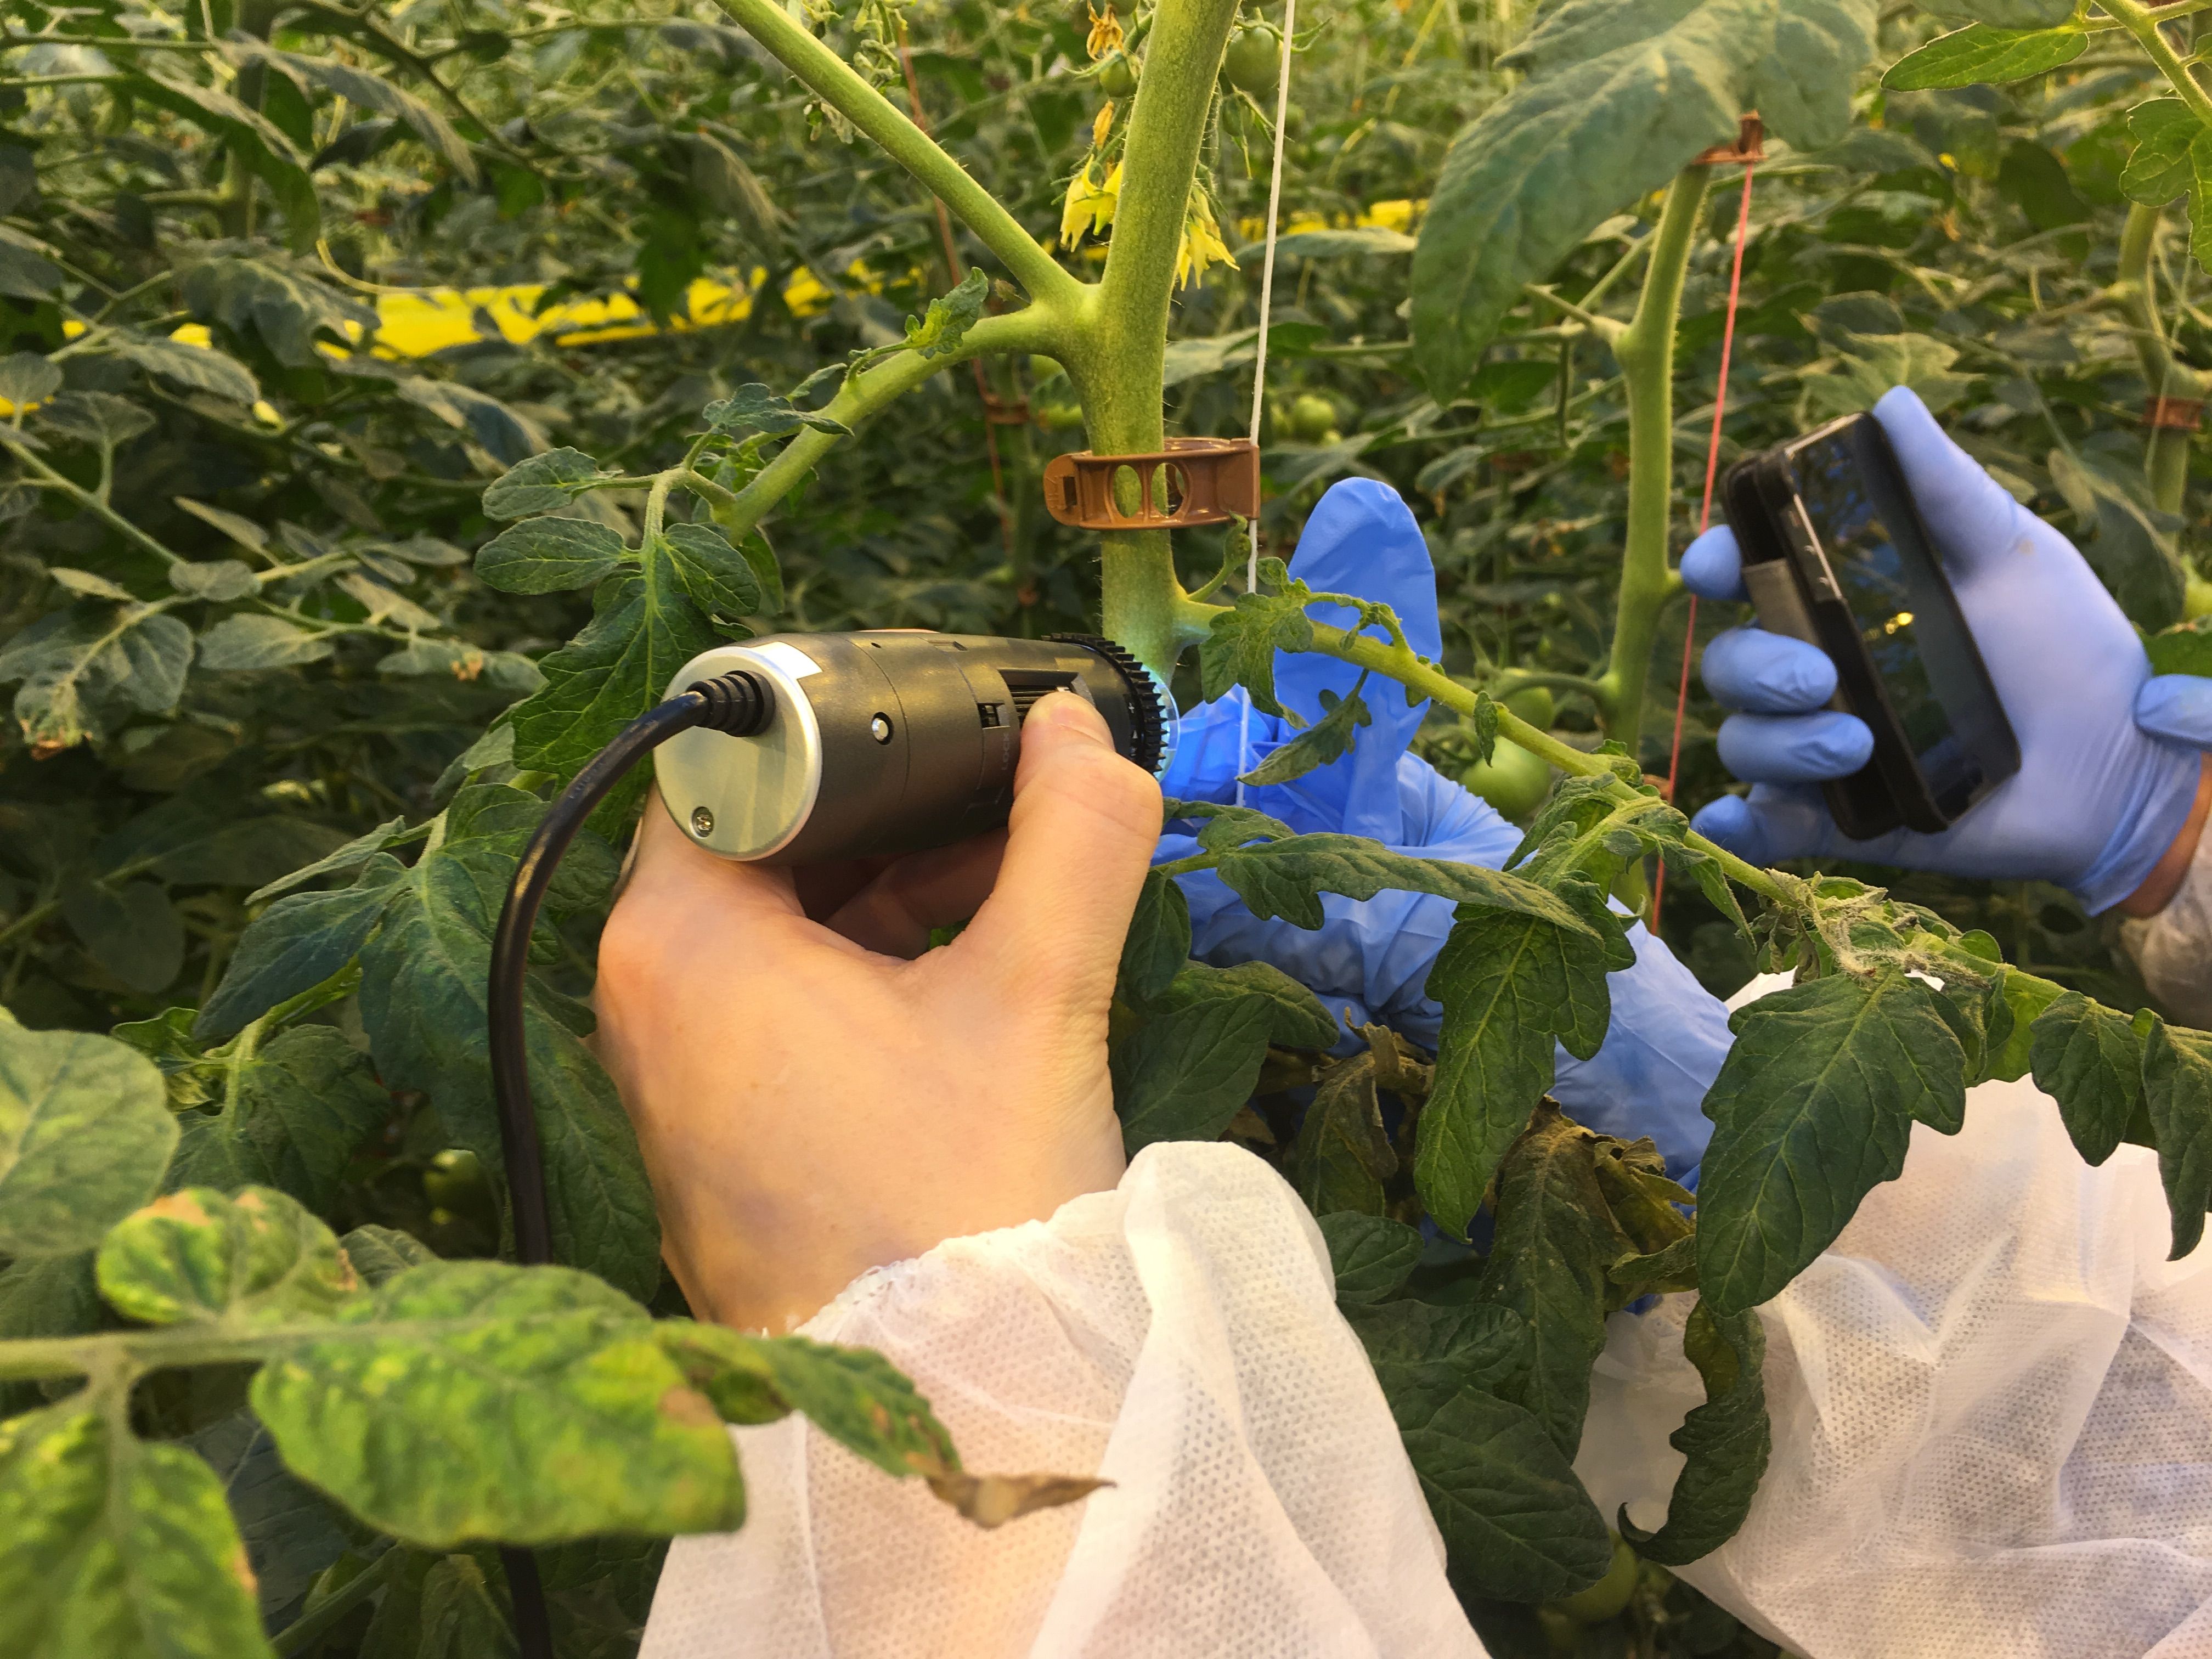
{"x": 1834, "y": 553}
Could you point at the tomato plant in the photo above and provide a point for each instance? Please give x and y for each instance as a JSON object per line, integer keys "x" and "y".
{"x": 308, "y": 616}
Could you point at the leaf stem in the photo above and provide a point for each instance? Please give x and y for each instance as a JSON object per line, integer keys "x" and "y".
{"x": 1401, "y": 663}
{"x": 838, "y": 85}
{"x": 1646, "y": 353}
{"x": 2143, "y": 23}
{"x": 85, "y": 498}
{"x": 863, "y": 396}
{"x": 303, "y": 1632}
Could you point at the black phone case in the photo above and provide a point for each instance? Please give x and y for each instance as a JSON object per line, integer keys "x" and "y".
{"x": 1795, "y": 592}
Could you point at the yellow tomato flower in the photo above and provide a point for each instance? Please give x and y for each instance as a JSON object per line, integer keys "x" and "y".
{"x": 1201, "y": 245}
{"x": 1103, "y": 124}
{"x": 1090, "y": 207}
{"x": 1105, "y": 32}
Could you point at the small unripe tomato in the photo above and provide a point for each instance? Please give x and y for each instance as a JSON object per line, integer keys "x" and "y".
{"x": 1534, "y": 705}
{"x": 1607, "y": 1597}
{"x": 1512, "y": 780}
{"x": 1117, "y": 75}
{"x": 1254, "y": 56}
{"x": 1312, "y": 418}
{"x": 455, "y": 1179}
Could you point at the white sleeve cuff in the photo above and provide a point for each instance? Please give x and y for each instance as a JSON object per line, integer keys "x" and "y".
{"x": 1179, "y": 1337}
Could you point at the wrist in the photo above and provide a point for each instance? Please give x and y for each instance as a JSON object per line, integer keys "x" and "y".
{"x": 2165, "y": 878}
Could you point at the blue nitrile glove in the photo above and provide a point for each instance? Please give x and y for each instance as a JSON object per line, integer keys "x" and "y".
{"x": 1372, "y": 957}
{"x": 2109, "y": 753}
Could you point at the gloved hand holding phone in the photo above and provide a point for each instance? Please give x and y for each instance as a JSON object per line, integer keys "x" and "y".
{"x": 2111, "y": 756}
{"x": 1669, "y": 1034}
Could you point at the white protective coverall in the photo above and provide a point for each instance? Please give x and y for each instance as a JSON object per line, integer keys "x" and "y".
{"x": 1991, "y": 1405}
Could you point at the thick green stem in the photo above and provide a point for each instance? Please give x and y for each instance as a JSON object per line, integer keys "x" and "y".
{"x": 1646, "y": 352}
{"x": 834, "y": 81}
{"x": 1116, "y": 360}
{"x": 2166, "y": 461}
{"x": 1034, "y": 329}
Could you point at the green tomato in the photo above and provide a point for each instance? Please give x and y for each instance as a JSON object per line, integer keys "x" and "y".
{"x": 1253, "y": 59}
{"x": 1313, "y": 417}
{"x": 1513, "y": 780}
{"x": 1562, "y": 1634}
{"x": 1607, "y": 1598}
{"x": 1117, "y": 75}
{"x": 2196, "y": 598}
{"x": 455, "y": 1179}
{"x": 1534, "y": 705}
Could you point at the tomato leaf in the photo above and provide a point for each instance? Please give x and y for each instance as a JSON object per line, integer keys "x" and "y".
{"x": 1979, "y": 54}
{"x": 85, "y": 1130}
{"x": 1617, "y": 95}
{"x": 1812, "y": 1110}
{"x": 1726, "y": 1441}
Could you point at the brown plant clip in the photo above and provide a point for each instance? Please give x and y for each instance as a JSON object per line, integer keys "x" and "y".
{"x": 1207, "y": 481}
{"x": 1750, "y": 144}
{"x": 2176, "y": 414}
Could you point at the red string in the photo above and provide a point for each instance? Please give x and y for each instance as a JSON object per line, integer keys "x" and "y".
{"x": 1705, "y": 514}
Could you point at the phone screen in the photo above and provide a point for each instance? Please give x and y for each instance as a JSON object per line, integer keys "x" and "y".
{"x": 1888, "y": 576}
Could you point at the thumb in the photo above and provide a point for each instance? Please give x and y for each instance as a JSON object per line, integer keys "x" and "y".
{"x": 1079, "y": 843}
{"x": 2176, "y": 707}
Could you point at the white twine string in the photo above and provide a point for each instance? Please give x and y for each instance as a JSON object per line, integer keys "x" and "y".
{"x": 1260, "y": 355}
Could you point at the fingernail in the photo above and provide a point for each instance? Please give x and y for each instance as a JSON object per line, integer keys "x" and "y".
{"x": 1065, "y": 711}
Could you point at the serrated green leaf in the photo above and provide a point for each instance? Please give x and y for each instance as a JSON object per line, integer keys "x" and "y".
{"x": 1726, "y": 1441}
{"x": 939, "y": 330}
{"x": 2011, "y": 13}
{"x": 1423, "y": 1354}
{"x": 1182, "y": 1074}
{"x": 85, "y": 1131}
{"x": 252, "y": 641}
{"x": 1516, "y": 1522}
{"x": 1617, "y": 95}
{"x": 216, "y": 580}
{"x": 548, "y": 555}
{"x": 298, "y": 1110}
{"x": 26, "y": 379}
{"x": 131, "y": 930}
{"x": 464, "y": 1400}
{"x": 1554, "y": 1239}
{"x": 1297, "y": 1018}
{"x": 462, "y": 1617}
{"x": 543, "y": 483}
{"x": 718, "y": 578}
{"x": 24, "y": 276}
{"x": 1286, "y": 878}
{"x": 2159, "y": 169}
{"x": 1371, "y": 1255}
{"x": 355, "y": 853}
{"x": 1158, "y": 943}
{"x": 294, "y": 945}
{"x": 124, "y": 1551}
{"x": 1812, "y": 1110}
{"x": 2089, "y": 1060}
{"x": 1978, "y": 54}
{"x": 1241, "y": 642}
{"x": 377, "y": 1253}
{"x": 259, "y": 144}
{"x": 200, "y": 1258}
{"x": 290, "y": 1531}
{"x": 641, "y": 631}
{"x": 196, "y": 369}
{"x": 754, "y": 408}
{"x": 1509, "y": 983}
{"x": 85, "y": 668}
{"x": 1220, "y": 827}
{"x": 1328, "y": 738}
{"x": 1343, "y": 1154}
{"x": 422, "y": 999}
{"x": 289, "y": 309}
{"x": 2176, "y": 1085}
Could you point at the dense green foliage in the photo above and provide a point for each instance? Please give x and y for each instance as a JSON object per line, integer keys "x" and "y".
{"x": 303, "y": 626}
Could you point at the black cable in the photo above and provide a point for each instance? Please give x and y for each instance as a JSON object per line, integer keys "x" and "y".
{"x": 736, "y": 703}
